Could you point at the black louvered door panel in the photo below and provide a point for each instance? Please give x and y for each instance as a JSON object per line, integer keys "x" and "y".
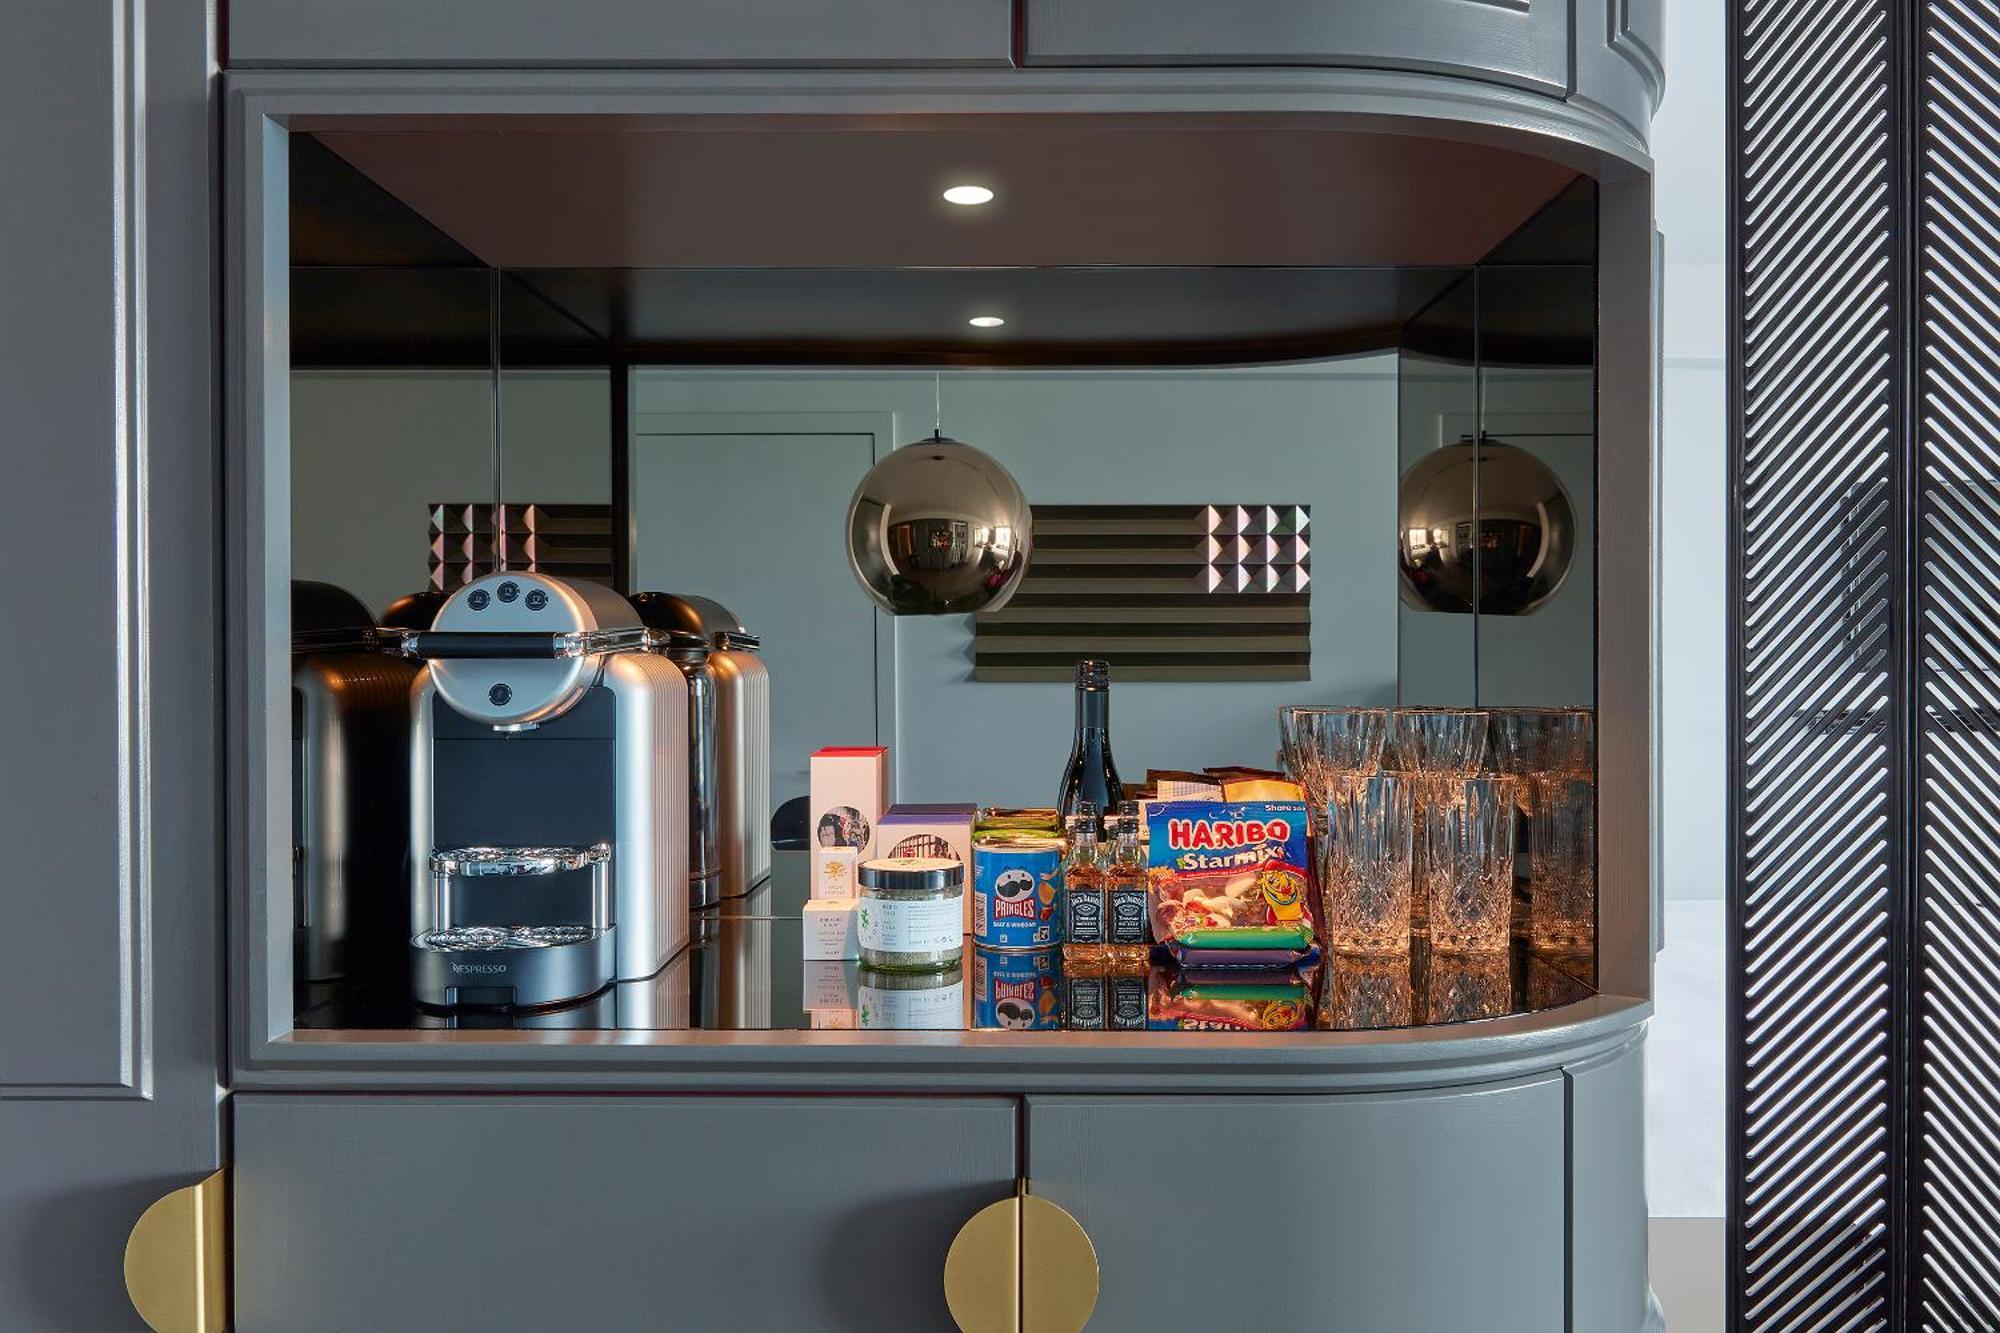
{"x": 1865, "y": 1032}
{"x": 1956, "y": 1206}
{"x": 1815, "y": 899}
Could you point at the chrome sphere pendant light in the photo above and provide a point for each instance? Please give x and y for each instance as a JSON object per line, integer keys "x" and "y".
{"x": 1524, "y": 523}
{"x": 938, "y": 528}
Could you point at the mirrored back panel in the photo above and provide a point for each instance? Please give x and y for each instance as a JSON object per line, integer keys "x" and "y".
{"x": 1240, "y": 486}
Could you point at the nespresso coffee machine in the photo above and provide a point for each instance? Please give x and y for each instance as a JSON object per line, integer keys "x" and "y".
{"x": 742, "y": 725}
{"x": 548, "y": 796}
{"x": 350, "y": 809}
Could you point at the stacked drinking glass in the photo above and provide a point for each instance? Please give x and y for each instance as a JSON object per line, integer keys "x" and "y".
{"x": 1415, "y": 814}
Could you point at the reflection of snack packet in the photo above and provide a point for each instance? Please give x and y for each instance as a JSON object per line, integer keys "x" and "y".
{"x": 1229, "y": 876}
{"x": 1273, "y": 1001}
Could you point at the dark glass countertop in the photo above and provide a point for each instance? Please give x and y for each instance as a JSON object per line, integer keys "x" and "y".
{"x": 743, "y": 972}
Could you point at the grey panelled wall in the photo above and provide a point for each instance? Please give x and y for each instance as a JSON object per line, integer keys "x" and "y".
{"x": 533, "y": 1214}
{"x": 109, "y": 967}
{"x": 619, "y": 32}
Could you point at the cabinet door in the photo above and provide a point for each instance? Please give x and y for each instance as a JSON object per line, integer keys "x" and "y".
{"x": 542, "y": 1213}
{"x": 1523, "y": 42}
{"x": 1390, "y": 1212}
{"x": 109, "y": 967}
{"x": 618, "y": 32}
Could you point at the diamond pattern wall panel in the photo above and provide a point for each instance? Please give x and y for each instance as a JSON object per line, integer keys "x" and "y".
{"x": 1813, "y": 1056}
{"x": 1956, "y": 1212}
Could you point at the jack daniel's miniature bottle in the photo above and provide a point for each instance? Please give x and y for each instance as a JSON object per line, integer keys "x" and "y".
{"x": 1083, "y": 892}
{"x": 1127, "y": 925}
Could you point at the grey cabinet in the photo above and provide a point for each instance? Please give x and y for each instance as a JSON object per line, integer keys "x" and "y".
{"x": 1403, "y": 1212}
{"x": 1522, "y": 42}
{"x": 109, "y": 968}
{"x": 540, "y": 1213}
{"x": 527, "y": 33}
{"x": 1618, "y": 69}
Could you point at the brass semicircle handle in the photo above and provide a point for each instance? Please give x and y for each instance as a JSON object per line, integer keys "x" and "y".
{"x": 177, "y": 1259}
{"x": 1022, "y": 1265}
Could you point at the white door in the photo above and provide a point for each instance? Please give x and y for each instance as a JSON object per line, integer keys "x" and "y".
{"x": 752, "y": 511}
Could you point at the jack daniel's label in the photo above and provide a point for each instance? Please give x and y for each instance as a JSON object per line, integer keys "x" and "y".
{"x": 1128, "y": 912}
{"x": 1128, "y": 1004}
{"x": 1085, "y": 1003}
{"x": 1086, "y": 913}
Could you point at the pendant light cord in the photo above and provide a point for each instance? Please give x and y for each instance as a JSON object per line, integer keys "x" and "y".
{"x": 937, "y": 405}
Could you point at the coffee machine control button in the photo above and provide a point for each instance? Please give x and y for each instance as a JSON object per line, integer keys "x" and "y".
{"x": 478, "y": 599}
{"x": 537, "y": 599}
{"x": 501, "y": 695}
{"x": 509, "y": 590}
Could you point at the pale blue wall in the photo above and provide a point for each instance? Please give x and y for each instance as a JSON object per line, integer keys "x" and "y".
{"x": 1323, "y": 435}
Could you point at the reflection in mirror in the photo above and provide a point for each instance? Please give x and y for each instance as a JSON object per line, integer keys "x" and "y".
{"x": 739, "y": 487}
{"x": 1537, "y": 349}
{"x": 1437, "y": 403}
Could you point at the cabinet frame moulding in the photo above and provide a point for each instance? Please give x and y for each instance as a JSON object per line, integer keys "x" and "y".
{"x": 262, "y": 107}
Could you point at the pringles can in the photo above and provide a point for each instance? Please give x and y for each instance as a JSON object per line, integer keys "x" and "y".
{"x": 1016, "y": 991}
{"x": 1016, "y": 891}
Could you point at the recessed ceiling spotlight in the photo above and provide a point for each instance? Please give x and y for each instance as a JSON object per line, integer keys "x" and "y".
{"x": 986, "y": 321}
{"x": 968, "y": 196}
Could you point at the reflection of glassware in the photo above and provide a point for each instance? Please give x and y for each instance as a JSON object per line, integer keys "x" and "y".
{"x": 1463, "y": 987}
{"x": 1562, "y": 863}
{"x": 1327, "y": 749}
{"x": 1550, "y": 986}
{"x": 1367, "y": 993}
{"x": 1469, "y": 865}
{"x": 1366, "y": 867}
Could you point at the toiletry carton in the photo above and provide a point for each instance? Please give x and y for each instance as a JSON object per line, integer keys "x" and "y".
{"x": 850, "y": 793}
{"x": 931, "y": 830}
{"x": 831, "y": 930}
{"x": 835, "y": 874}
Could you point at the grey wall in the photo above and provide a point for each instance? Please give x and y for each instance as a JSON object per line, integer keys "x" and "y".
{"x": 370, "y": 449}
{"x": 1322, "y": 434}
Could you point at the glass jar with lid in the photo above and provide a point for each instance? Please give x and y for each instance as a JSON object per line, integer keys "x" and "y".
{"x": 912, "y": 914}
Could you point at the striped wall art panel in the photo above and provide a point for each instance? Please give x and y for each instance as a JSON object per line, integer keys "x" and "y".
{"x": 1210, "y": 592}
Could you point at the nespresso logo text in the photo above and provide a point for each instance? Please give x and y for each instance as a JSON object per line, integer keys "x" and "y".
{"x": 478, "y": 969}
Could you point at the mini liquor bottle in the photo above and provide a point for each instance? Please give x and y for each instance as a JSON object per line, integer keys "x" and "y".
{"x": 1128, "y": 928}
{"x": 1083, "y": 892}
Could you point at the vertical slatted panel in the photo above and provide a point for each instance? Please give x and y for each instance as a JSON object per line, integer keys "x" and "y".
{"x": 1957, "y": 1220}
{"x": 1815, "y": 558}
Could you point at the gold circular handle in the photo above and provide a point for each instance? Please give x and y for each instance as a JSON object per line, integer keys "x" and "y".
{"x": 1059, "y": 1275}
{"x": 177, "y": 1257}
{"x": 1022, "y": 1265}
{"x": 982, "y": 1270}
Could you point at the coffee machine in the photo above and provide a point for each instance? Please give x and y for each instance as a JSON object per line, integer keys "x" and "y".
{"x": 350, "y": 703}
{"x": 548, "y": 795}
{"x": 741, "y": 787}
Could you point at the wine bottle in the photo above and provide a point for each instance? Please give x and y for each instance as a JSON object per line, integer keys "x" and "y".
{"x": 1091, "y": 775}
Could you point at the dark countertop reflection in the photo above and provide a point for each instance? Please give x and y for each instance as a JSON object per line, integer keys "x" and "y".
{"x": 742, "y": 972}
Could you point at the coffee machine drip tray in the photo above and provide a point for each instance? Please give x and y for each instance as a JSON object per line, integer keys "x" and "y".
{"x": 461, "y": 939}
{"x": 479, "y": 954}
{"x": 511, "y": 967}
